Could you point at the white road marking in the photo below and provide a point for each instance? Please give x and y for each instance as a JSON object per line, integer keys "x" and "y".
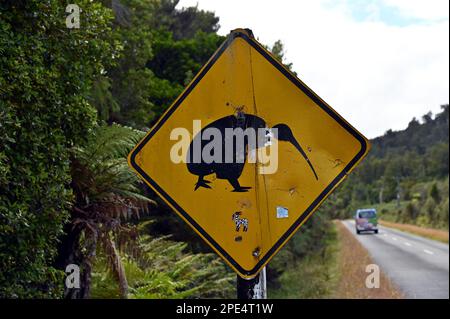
{"x": 394, "y": 238}
{"x": 407, "y": 244}
{"x": 428, "y": 252}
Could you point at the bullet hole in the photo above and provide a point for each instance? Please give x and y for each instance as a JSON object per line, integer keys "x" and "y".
{"x": 337, "y": 163}
{"x": 256, "y": 252}
{"x": 238, "y": 239}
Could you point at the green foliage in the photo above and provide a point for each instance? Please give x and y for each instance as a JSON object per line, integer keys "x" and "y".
{"x": 184, "y": 23}
{"x": 163, "y": 48}
{"x": 99, "y": 167}
{"x": 279, "y": 52}
{"x": 314, "y": 275}
{"x": 309, "y": 240}
{"x": 50, "y": 76}
{"x": 405, "y": 174}
{"x": 176, "y": 61}
{"x": 45, "y": 72}
{"x": 162, "y": 269}
{"x": 107, "y": 196}
{"x": 434, "y": 192}
{"x": 123, "y": 93}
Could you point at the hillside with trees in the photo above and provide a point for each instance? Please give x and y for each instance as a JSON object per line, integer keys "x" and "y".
{"x": 405, "y": 175}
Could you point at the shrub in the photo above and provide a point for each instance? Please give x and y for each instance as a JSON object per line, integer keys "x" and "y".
{"x": 45, "y": 71}
{"x": 161, "y": 268}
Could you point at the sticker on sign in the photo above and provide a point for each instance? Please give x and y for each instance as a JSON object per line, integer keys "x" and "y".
{"x": 282, "y": 212}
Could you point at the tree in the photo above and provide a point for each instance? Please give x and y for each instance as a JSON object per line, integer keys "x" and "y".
{"x": 413, "y": 124}
{"x": 46, "y": 71}
{"x": 438, "y": 159}
{"x": 434, "y": 193}
{"x": 430, "y": 210}
{"x": 279, "y": 52}
{"x": 184, "y": 23}
{"x": 428, "y": 118}
{"x": 106, "y": 197}
{"x": 163, "y": 48}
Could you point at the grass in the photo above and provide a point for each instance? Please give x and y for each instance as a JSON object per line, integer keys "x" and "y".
{"x": 352, "y": 261}
{"x": 314, "y": 277}
{"x": 436, "y": 234}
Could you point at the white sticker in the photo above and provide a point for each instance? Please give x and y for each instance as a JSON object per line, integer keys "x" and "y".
{"x": 268, "y": 137}
{"x": 282, "y": 212}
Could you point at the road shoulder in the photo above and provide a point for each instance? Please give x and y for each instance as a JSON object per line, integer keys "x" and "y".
{"x": 434, "y": 234}
{"x": 353, "y": 262}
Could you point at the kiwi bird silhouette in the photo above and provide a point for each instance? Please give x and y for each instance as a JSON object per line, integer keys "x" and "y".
{"x": 231, "y": 170}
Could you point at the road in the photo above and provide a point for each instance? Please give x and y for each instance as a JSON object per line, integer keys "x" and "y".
{"x": 419, "y": 267}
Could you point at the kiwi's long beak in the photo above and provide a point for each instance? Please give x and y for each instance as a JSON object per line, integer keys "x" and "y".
{"x": 300, "y": 149}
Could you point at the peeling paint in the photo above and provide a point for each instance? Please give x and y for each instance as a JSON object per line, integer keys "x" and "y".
{"x": 244, "y": 203}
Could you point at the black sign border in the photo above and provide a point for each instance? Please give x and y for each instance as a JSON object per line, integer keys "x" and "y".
{"x": 308, "y": 211}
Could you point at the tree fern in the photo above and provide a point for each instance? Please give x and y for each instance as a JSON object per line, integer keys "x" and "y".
{"x": 107, "y": 195}
{"x": 163, "y": 269}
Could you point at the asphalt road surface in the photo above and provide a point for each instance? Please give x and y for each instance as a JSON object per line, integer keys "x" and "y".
{"x": 416, "y": 265}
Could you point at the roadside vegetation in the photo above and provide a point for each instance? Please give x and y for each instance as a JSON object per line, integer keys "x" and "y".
{"x": 405, "y": 176}
{"x": 313, "y": 276}
{"x": 160, "y": 268}
{"x": 428, "y": 207}
{"x": 436, "y": 234}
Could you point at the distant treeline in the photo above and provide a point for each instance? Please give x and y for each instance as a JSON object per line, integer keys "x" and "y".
{"x": 408, "y": 168}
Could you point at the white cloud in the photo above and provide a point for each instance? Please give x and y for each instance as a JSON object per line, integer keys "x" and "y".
{"x": 376, "y": 75}
{"x": 423, "y": 9}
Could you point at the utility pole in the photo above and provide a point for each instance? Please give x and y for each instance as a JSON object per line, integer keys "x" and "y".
{"x": 380, "y": 194}
{"x": 252, "y": 288}
{"x": 399, "y": 192}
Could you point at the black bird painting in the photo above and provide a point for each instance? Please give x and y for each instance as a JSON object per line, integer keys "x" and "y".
{"x": 232, "y": 170}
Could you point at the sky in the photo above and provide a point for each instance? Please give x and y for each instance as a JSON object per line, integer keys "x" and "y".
{"x": 378, "y": 63}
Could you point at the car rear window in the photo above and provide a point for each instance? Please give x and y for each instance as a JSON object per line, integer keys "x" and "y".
{"x": 367, "y": 214}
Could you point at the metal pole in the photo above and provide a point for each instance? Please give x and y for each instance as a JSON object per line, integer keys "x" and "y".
{"x": 252, "y": 288}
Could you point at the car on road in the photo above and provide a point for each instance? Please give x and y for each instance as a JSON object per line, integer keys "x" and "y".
{"x": 366, "y": 220}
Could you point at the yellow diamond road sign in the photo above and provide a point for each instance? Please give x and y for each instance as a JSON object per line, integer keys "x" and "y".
{"x": 246, "y": 193}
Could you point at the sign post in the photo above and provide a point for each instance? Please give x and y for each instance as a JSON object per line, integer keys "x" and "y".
{"x": 255, "y": 288}
{"x": 246, "y": 154}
